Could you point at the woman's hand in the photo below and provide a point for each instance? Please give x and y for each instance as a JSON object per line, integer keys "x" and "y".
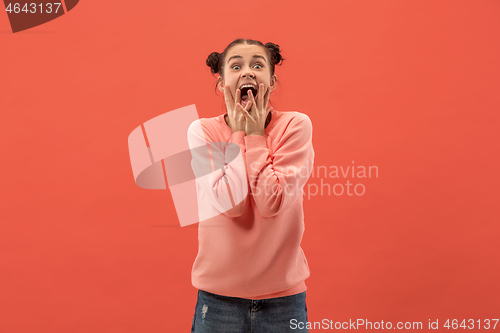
{"x": 236, "y": 119}
{"x": 255, "y": 125}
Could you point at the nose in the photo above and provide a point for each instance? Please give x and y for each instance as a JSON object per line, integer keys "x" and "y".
{"x": 247, "y": 73}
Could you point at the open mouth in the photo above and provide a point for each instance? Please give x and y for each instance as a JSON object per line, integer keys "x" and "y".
{"x": 244, "y": 94}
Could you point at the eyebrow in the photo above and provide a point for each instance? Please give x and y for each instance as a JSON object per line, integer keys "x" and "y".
{"x": 238, "y": 56}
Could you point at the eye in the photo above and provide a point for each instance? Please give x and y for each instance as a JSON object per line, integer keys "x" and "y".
{"x": 234, "y": 66}
{"x": 258, "y": 65}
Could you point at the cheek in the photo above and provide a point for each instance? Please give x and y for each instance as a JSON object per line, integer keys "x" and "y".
{"x": 231, "y": 82}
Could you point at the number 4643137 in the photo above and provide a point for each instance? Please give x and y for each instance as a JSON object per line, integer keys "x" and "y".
{"x": 486, "y": 324}
{"x": 33, "y": 8}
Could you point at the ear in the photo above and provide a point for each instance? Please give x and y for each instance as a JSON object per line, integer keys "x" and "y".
{"x": 273, "y": 82}
{"x": 220, "y": 84}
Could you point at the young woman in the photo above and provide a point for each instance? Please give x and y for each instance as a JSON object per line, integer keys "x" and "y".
{"x": 250, "y": 269}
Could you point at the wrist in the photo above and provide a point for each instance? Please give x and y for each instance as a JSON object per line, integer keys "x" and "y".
{"x": 238, "y": 130}
{"x": 255, "y": 133}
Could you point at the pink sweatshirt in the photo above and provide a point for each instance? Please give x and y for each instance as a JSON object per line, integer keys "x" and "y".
{"x": 251, "y": 206}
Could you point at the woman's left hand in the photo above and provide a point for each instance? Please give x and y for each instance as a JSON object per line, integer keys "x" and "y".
{"x": 255, "y": 125}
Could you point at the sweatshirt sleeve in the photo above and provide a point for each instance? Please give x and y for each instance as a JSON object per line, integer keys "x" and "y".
{"x": 276, "y": 179}
{"x": 219, "y": 168}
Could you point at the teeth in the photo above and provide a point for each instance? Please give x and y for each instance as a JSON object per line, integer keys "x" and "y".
{"x": 248, "y": 85}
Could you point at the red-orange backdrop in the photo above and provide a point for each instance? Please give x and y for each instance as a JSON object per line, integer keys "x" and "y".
{"x": 410, "y": 87}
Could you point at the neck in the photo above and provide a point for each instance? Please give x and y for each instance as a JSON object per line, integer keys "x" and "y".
{"x": 268, "y": 120}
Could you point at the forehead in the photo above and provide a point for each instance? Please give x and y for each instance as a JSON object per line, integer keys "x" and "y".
{"x": 247, "y": 52}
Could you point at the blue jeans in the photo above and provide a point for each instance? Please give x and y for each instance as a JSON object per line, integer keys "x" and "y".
{"x": 222, "y": 314}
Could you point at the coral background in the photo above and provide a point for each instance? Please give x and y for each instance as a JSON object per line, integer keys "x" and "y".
{"x": 411, "y": 87}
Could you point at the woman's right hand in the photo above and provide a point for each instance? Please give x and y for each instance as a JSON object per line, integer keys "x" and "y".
{"x": 236, "y": 119}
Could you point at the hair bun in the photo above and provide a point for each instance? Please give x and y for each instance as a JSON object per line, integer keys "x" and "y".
{"x": 213, "y": 62}
{"x": 275, "y": 52}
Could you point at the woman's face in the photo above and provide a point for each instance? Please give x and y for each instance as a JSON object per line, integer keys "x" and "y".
{"x": 247, "y": 64}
